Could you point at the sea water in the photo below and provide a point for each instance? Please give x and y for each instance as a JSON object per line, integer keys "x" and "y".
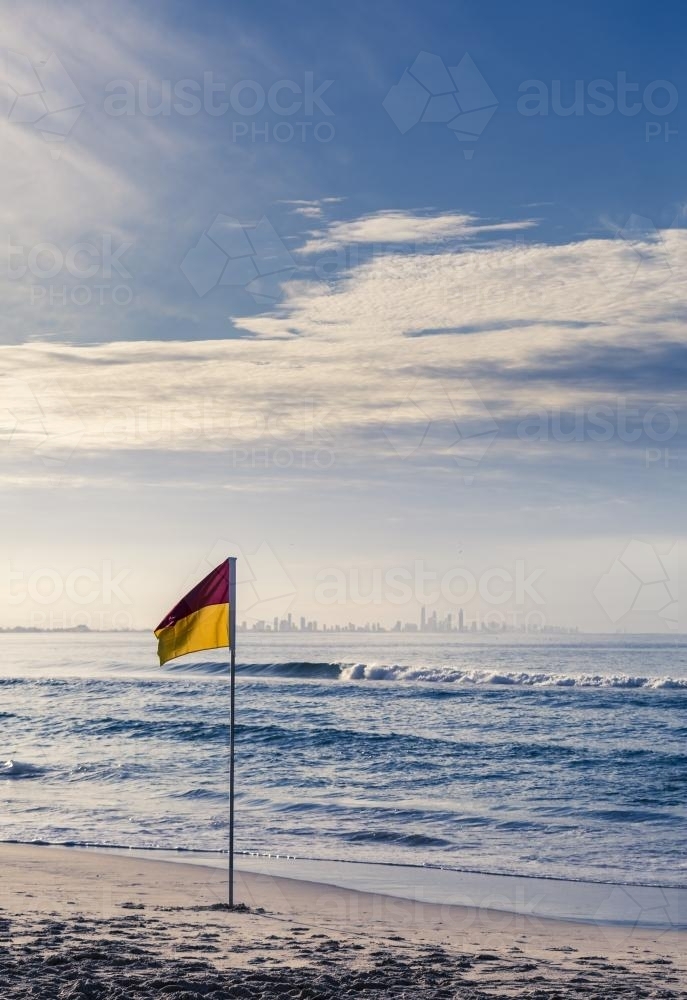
{"x": 551, "y": 756}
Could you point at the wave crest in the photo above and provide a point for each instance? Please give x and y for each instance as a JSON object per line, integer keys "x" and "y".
{"x": 454, "y": 675}
{"x": 17, "y": 769}
{"x": 445, "y": 674}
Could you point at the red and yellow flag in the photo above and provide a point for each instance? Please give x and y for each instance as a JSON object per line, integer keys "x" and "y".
{"x": 201, "y": 620}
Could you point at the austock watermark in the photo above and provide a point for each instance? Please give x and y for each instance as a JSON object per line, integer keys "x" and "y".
{"x": 603, "y": 97}
{"x": 283, "y": 111}
{"x": 40, "y": 94}
{"x": 93, "y": 597}
{"x": 294, "y": 435}
{"x": 509, "y": 593}
{"x": 53, "y": 620}
{"x": 265, "y": 590}
{"x": 456, "y": 96}
{"x": 625, "y": 909}
{"x": 448, "y": 419}
{"x": 620, "y": 912}
{"x": 601, "y": 423}
{"x": 229, "y": 253}
{"x": 82, "y": 585}
{"x": 643, "y": 579}
{"x": 496, "y": 597}
{"x": 513, "y": 906}
{"x": 39, "y": 419}
{"x": 641, "y": 256}
{"x": 459, "y": 97}
{"x": 86, "y": 273}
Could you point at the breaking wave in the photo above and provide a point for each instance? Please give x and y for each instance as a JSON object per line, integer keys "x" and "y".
{"x": 437, "y": 675}
{"x": 17, "y": 769}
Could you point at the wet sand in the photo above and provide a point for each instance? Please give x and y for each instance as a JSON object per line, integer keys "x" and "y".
{"x": 78, "y": 925}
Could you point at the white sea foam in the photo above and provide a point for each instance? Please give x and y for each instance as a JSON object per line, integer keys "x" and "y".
{"x": 452, "y": 675}
{"x": 16, "y": 769}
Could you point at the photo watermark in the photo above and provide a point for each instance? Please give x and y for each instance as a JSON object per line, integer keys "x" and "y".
{"x": 39, "y": 94}
{"x": 90, "y": 272}
{"x": 456, "y": 96}
{"x": 81, "y": 598}
{"x": 250, "y": 257}
{"x": 642, "y": 580}
{"x": 264, "y": 589}
{"x": 284, "y": 111}
{"x": 39, "y": 419}
{"x": 449, "y": 419}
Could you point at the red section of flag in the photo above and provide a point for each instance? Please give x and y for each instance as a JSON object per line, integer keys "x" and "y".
{"x": 213, "y": 589}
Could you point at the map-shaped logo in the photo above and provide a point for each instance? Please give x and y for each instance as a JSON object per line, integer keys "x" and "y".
{"x": 448, "y": 420}
{"x": 639, "y": 258}
{"x": 250, "y": 257}
{"x": 457, "y": 96}
{"x": 39, "y": 420}
{"x": 264, "y": 588}
{"x": 41, "y": 95}
{"x": 641, "y": 580}
{"x": 626, "y": 908}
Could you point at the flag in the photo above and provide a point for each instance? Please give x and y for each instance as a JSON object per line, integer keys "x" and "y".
{"x": 201, "y": 620}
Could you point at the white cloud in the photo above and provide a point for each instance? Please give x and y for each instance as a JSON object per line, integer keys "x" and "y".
{"x": 392, "y": 227}
{"x": 343, "y": 359}
{"x": 310, "y": 209}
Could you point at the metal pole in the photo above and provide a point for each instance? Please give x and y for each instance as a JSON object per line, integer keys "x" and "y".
{"x": 232, "y": 699}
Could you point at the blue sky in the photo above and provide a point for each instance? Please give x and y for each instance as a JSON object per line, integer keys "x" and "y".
{"x": 304, "y": 331}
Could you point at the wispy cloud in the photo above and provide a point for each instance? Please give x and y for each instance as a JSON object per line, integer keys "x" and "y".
{"x": 396, "y": 227}
{"x": 349, "y": 354}
{"x": 130, "y": 178}
{"x": 310, "y": 209}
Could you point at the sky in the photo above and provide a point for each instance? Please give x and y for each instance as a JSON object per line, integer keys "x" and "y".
{"x": 387, "y": 302}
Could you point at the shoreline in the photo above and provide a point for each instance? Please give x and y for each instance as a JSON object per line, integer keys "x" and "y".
{"x": 585, "y": 901}
{"x": 124, "y": 924}
{"x": 576, "y": 901}
{"x": 190, "y": 852}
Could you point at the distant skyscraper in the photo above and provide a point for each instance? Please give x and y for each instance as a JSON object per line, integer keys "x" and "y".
{"x": 461, "y": 620}
{"x": 423, "y": 619}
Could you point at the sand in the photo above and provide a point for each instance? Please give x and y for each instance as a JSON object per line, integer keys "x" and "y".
{"x": 79, "y": 925}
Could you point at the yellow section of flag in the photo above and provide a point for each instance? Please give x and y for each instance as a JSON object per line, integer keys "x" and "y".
{"x": 204, "y": 629}
{"x": 201, "y": 619}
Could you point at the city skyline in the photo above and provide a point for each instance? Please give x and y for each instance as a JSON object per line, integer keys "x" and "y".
{"x": 450, "y": 623}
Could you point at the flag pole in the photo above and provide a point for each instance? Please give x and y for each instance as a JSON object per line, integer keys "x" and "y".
{"x": 232, "y": 651}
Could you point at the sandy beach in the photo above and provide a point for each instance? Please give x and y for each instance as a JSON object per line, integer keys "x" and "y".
{"x": 80, "y": 925}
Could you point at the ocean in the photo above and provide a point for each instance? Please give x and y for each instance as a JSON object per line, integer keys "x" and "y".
{"x": 558, "y": 756}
